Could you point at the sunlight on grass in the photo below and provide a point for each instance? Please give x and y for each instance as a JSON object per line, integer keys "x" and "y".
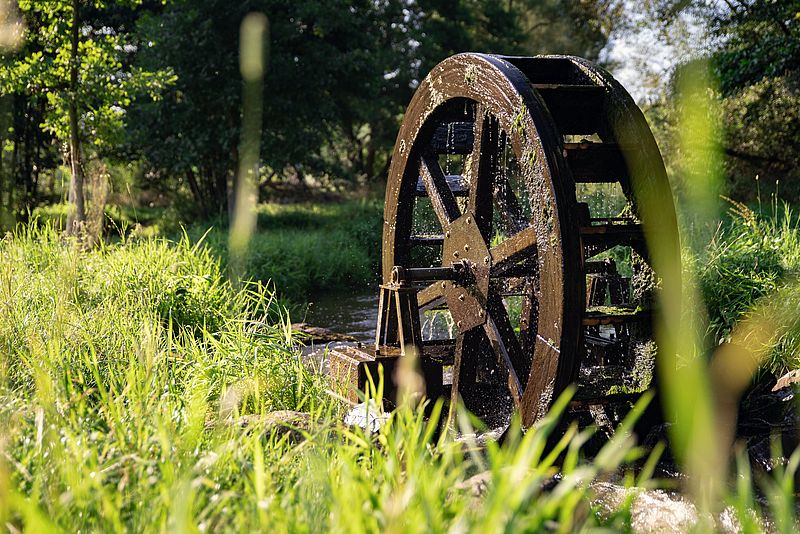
{"x": 135, "y": 373}
{"x": 124, "y": 405}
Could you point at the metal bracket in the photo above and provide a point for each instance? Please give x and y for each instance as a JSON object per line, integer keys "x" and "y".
{"x": 398, "y": 316}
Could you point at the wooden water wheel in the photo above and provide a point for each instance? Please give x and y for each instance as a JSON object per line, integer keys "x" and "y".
{"x": 513, "y": 215}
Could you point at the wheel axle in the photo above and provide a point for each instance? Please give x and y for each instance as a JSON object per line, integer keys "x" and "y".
{"x": 458, "y": 272}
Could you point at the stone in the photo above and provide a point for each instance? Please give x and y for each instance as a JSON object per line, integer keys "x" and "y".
{"x": 295, "y": 424}
{"x": 316, "y": 335}
{"x": 792, "y": 377}
{"x": 367, "y": 415}
{"x": 477, "y": 485}
{"x": 658, "y": 511}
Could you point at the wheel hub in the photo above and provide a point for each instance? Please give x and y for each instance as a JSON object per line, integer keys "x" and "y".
{"x": 466, "y": 298}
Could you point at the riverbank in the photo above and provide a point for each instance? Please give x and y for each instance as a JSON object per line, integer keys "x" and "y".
{"x": 307, "y": 248}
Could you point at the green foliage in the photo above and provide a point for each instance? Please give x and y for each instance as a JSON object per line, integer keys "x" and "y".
{"x": 105, "y": 408}
{"x": 113, "y": 362}
{"x": 752, "y": 39}
{"x": 759, "y": 40}
{"x": 309, "y": 248}
{"x": 748, "y": 270}
{"x": 175, "y": 286}
{"x": 160, "y": 82}
{"x": 118, "y": 220}
{"x": 330, "y": 103}
{"x": 106, "y": 80}
{"x": 755, "y": 54}
{"x": 303, "y": 248}
{"x": 762, "y": 125}
{"x": 577, "y": 27}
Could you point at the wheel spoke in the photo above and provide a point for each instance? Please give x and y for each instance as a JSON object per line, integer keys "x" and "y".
{"x": 525, "y": 267}
{"x": 541, "y": 379}
{"x": 508, "y": 205}
{"x": 527, "y": 319}
{"x": 442, "y": 199}
{"x": 499, "y": 315}
{"x": 504, "y": 358}
{"x": 465, "y": 364}
{"x": 512, "y": 250}
{"x": 430, "y": 296}
{"x": 482, "y": 169}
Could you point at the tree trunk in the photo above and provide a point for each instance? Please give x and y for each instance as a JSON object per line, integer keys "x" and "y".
{"x": 370, "y": 163}
{"x": 199, "y": 197}
{"x": 18, "y": 117}
{"x": 3, "y": 128}
{"x": 76, "y": 211}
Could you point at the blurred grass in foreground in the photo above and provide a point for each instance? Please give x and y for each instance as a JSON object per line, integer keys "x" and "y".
{"x": 117, "y": 370}
{"x": 125, "y": 373}
{"x": 711, "y": 352}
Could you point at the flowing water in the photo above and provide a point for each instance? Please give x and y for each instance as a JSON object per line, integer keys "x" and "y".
{"x": 353, "y": 312}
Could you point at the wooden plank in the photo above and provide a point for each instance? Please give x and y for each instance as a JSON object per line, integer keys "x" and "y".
{"x": 596, "y": 162}
{"x": 576, "y": 109}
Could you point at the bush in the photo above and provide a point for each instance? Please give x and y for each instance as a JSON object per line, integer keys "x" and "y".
{"x": 762, "y": 136}
{"x": 309, "y": 248}
{"x": 751, "y": 263}
{"x": 93, "y": 314}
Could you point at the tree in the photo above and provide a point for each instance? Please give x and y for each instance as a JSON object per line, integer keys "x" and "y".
{"x": 751, "y": 39}
{"x": 755, "y": 54}
{"x": 339, "y": 76}
{"x": 77, "y": 60}
{"x": 577, "y": 27}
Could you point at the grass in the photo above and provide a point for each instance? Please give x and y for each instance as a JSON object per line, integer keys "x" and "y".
{"x": 125, "y": 371}
{"x": 302, "y": 248}
{"x": 112, "y": 363}
{"x": 306, "y": 248}
{"x": 748, "y": 268}
{"x": 135, "y": 384}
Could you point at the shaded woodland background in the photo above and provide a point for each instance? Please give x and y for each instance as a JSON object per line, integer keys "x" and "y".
{"x": 141, "y": 99}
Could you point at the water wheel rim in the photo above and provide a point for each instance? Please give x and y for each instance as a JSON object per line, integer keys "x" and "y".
{"x": 621, "y": 125}
{"x": 501, "y": 93}
{"x": 648, "y": 187}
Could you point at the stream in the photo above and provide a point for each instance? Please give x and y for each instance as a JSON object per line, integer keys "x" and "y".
{"x": 354, "y": 313}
